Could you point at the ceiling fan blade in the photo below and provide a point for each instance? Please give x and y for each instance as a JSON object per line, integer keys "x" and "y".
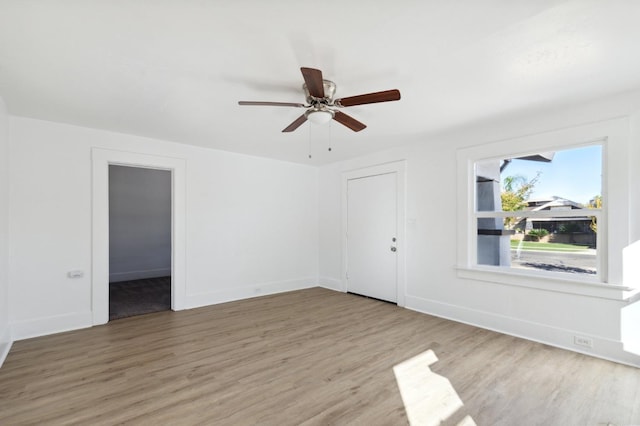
{"x": 348, "y": 121}
{"x": 369, "y": 98}
{"x": 258, "y": 103}
{"x": 297, "y": 123}
{"x": 313, "y": 78}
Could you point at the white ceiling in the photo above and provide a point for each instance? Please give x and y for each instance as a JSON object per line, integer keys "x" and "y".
{"x": 175, "y": 69}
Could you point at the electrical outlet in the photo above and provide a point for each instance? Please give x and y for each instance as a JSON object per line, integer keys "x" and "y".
{"x": 583, "y": 341}
{"x": 75, "y": 274}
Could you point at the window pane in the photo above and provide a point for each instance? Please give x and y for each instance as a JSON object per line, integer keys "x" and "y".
{"x": 559, "y": 245}
{"x": 562, "y": 180}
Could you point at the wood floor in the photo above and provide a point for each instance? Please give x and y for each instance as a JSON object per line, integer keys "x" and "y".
{"x": 312, "y": 357}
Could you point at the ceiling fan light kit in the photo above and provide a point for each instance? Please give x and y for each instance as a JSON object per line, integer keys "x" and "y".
{"x": 321, "y": 107}
{"x": 319, "y": 116}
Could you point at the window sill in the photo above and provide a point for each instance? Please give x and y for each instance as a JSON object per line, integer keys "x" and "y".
{"x": 548, "y": 282}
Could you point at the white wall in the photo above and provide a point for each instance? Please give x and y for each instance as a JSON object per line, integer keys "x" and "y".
{"x": 251, "y": 223}
{"x": 5, "y": 337}
{"x": 139, "y": 223}
{"x": 257, "y": 226}
{"x": 433, "y": 282}
{"x": 634, "y": 177}
{"x": 631, "y": 264}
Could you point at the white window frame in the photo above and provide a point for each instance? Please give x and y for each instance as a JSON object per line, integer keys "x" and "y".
{"x": 600, "y": 275}
{"x": 613, "y": 219}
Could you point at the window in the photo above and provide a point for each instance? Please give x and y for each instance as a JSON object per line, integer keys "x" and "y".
{"x": 539, "y": 211}
{"x": 611, "y": 213}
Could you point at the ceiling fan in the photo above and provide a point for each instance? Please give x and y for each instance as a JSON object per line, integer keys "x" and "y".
{"x": 322, "y": 108}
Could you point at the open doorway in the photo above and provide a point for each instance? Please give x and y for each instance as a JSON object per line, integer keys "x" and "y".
{"x": 140, "y": 252}
{"x": 101, "y": 159}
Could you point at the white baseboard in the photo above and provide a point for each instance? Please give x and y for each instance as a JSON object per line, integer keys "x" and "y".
{"x": 246, "y": 292}
{"x": 608, "y": 349}
{"x": 139, "y": 275}
{"x": 4, "y": 351}
{"x": 5, "y": 345}
{"x": 330, "y": 283}
{"x": 50, "y": 325}
{"x": 20, "y": 330}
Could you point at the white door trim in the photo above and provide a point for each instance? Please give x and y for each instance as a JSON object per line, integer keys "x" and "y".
{"x": 398, "y": 167}
{"x": 101, "y": 159}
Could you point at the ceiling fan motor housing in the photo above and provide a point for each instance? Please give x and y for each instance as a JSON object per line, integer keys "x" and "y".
{"x": 329, "y": 90}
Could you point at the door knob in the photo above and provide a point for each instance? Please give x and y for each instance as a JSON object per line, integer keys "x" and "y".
{"x": 393, "y": 248}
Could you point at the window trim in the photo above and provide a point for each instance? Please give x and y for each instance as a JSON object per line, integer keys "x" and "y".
{"x": 601, "y": 268}
{"x": 613, "y": 219}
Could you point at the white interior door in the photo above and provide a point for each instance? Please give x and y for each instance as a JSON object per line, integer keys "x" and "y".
{"x": 371, "y": 234}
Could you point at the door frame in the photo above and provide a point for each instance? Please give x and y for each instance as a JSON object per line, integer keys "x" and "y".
{"x": 398, "y": 167}
{"x": 101, "y": 160}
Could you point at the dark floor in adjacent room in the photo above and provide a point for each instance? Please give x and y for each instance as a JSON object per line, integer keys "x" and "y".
{"x": 139, "y": 297}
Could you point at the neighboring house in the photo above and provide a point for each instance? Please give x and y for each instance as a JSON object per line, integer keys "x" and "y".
{"x": 574, "y": 229}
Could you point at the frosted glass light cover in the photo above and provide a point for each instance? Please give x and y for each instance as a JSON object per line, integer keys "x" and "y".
{"x": 320, "y": 117}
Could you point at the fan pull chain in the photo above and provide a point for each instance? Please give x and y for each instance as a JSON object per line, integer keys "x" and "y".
{"x": 310, "y": 133}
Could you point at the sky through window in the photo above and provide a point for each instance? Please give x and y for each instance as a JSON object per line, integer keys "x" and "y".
{"x": 574, "y": 174}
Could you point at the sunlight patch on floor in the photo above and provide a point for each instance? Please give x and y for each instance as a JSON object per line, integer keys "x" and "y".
{"x": 429, "y": 398}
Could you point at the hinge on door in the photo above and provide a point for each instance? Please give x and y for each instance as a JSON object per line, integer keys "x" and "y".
{"x": 346, "y": 275}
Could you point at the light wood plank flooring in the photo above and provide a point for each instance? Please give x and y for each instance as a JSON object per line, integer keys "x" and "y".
{"x": 312, "y": 357}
